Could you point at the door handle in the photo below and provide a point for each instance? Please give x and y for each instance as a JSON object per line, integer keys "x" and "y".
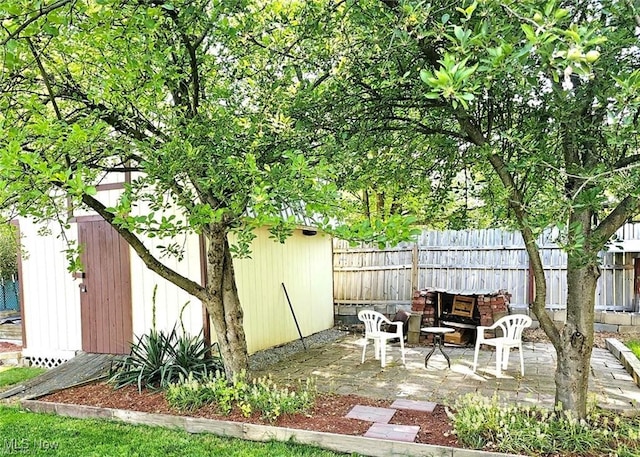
{"x": 83, "y": 288}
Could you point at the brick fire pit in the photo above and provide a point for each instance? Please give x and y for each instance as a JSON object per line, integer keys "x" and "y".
{"x": 462, "y": 310}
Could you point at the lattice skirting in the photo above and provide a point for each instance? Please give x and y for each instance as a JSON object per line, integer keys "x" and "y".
{"x": 43, "y": 360}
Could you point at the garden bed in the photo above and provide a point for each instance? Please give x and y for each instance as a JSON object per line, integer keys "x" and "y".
{"x": 326, "y": 416}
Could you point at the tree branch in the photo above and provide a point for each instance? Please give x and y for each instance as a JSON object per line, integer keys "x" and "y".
{"x": 627, "y": 208}
{"x": 626, "y": 161}
{"x": 149, "y": 260}
{"x": 516, "y": 203}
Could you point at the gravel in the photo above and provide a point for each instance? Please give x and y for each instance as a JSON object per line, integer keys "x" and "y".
{"x": 263, "y": 359}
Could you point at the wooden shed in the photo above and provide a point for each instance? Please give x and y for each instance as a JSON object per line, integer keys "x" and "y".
{"x": 105, "y": 307}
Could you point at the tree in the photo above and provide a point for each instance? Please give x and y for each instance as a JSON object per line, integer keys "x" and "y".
{"x": 544, "y": 94}
{"x": 181, "y": 95}
{"x": 8, "y": 252}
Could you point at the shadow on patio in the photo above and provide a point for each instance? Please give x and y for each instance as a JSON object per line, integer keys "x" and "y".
{"x": 336, "y": 367}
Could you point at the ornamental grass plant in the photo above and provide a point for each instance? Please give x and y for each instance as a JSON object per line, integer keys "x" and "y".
{"x": 482, "y": 423}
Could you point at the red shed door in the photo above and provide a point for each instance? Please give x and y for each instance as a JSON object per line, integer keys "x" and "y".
{"x": 105, "y": 291}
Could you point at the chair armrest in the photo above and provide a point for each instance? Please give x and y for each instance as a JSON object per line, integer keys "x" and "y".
{"x": 480, "y": 331}
{"x": 398, "y": 327}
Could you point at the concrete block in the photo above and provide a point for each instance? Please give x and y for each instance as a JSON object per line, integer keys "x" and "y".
{"x": 605, "y": 327}
{"x": 380, "y": 308}
{"x": 415, "y": 322}
{"x": 635, "y": 319}
{"x": 633, "y": 366}
{"x": 519, "y": 309}
{"x": 615, "y": 347}
{"x": 559, "y": 315}
{"x": 597, "y": 316}
{"x": 413, "y": 337}
{"x": 347, "y": 310}
{"x": 616, "y": 318}
{"x": 629, "y": 329}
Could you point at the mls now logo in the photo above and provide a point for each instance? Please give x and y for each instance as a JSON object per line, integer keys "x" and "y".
{"x": 24, "y": 446}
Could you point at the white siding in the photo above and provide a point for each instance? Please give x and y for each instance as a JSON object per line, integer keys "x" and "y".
{"x": 51, "y": 298}
{"x": 169, "y": 298}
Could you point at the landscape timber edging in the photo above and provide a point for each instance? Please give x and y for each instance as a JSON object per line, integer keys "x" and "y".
{"x": 626, "y": 357}
{"x": 253, "y": 432}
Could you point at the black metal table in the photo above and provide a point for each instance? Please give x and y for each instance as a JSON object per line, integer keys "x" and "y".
{"x": 438, "y": 335}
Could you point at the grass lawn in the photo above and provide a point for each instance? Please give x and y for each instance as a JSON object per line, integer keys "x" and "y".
{"x": 16, "y": 375}
{"x": 48, "y": 435}
{"x": 634, "y": 345}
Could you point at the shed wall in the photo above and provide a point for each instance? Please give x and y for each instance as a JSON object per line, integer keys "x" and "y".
{"x": 303, "y": 264}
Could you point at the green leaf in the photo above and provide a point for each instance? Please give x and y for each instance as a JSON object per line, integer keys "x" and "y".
{"x": 425, "y": 75}
{"x": 528, "y": 32}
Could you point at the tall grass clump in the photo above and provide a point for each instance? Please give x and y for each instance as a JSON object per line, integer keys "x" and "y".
{"x": 161, "y": 357}
{"x": 482, "y": 423}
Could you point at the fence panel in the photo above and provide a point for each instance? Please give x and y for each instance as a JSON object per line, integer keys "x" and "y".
{"x": 9, "y": 295}
{"x": 486, "y": 260}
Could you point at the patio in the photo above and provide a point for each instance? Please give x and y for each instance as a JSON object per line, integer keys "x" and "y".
{"x": 336, "y": 367}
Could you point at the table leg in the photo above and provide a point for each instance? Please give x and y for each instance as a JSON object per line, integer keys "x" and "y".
{"x": 437, "y": 339}
{"x": 433, "y": 349}
{"x": 444, "y": 353}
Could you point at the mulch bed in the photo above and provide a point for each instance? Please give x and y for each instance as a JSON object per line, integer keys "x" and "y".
{"x": 9, "y": 347}
{"x": 326, "y": 416}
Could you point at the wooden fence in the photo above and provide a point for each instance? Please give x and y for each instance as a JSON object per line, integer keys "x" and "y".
{"x": 486, "y": 260}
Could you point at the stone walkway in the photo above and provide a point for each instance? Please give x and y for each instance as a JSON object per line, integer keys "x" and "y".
{"x": 336, "y": 367}
{"x": 381, "y": 428}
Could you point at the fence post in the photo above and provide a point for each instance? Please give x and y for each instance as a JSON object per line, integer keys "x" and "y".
{"x": 414, "y": 269}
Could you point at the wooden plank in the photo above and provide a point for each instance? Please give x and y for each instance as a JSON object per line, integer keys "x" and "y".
{"x": 263, "y": 433}
{"x": 160, "y": 420}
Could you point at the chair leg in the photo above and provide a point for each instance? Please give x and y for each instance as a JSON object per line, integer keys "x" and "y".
{"x": 364, "y": 349}
{"x": 521, "y": 361}
{"x": 475, "y": 357}
{"x": 505, "y": 357}
{"x": 499, "y": 351}
{"x": 376, "y": 345}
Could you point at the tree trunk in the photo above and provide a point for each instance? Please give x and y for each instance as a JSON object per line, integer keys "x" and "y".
{"x": 223, "y": 303}
{"x": 575, "y": 344}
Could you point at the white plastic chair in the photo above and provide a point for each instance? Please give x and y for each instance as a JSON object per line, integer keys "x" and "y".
{"x": 373, "y": 321}
{"x": 512, "y": 327}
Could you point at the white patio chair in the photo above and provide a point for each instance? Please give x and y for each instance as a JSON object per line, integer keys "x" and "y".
{"x": 512, "y": 327}
{"x": 373, "y": 321}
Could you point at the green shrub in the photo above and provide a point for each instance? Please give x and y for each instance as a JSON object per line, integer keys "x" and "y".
{"x": 484, "y": 424}
{"x": 159, "y": 358}
{"x": 259, "y": 395}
